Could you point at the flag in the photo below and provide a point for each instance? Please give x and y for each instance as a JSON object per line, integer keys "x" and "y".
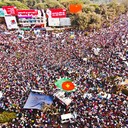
{"x": 65, "y": 84}
{"x": 75, "y": 8}
{"x": 37, "y": 101}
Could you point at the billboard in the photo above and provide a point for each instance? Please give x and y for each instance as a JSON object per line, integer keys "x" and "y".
{"x": 53, "y": 22}
{"x": 1, "y": 12}
{"x": 10, "y": 10}
{"x": 11, "y": 22}
{"x": 65, "y": 22}
{"x": 56, "y": 13}
{"x": 27, "y": 13}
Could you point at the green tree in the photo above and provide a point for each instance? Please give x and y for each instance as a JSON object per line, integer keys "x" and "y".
{"x": 111, "y": 10}
{"x": 103, "y": 9}
{"x": 125, "y": 3}
{"x": 22, "y": 1}
{"x": 86, "y": 1}
{"x": 41, "y": 6}
{"x": 96, "y": 7}
{"x": 53, "y": 4}
{"x": 2, "y": 4}
{"x": 18, "y": 4}
{"x": 30, "y": 3}
{"x": 94, "y": 21}
{"x": 120, "y": 9}
{"x": 88, "y": 8}
{"x": 83, "y": 21}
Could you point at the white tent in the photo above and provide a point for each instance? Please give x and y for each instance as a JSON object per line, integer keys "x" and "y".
{"x": 60, "y": 95}
{"x": 69, "y": 117}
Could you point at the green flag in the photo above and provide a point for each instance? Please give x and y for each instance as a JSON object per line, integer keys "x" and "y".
{"x": 59, "y": 82}
{"x": 65, "y": 84}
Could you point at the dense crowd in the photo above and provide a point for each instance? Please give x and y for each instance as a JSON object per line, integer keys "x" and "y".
{"x": 36, "y": 60}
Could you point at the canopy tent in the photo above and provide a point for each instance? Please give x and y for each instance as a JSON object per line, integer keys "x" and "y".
{"x": 61, "y": 96}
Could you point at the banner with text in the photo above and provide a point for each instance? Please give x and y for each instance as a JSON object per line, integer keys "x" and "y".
{"x": 10, "y": 10}
{"x": 56, "y": 13}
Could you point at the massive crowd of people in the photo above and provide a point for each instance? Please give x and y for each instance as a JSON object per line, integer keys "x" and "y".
{"x": 37, "y": 60}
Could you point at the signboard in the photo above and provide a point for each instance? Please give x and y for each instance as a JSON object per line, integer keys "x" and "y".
{"x": 53, "y": 22}
{"x": 11, "y": 22}
{"x": 27, "y": 13}
{"x": 1, "y": 12}
{"x": 56, "y": 13}
{"x": 65, "y": 22}
{"x": 10, "y": 10}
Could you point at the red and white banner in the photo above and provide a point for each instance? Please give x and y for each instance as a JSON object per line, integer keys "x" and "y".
{"x": 27, "y": 13}
{"x": 56, "y": 13}
{"x": 10, "y": 10}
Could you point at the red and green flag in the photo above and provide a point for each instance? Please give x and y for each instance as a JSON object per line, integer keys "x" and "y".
{"x": 75, "y": 8}
{"x": 65, "y": 84}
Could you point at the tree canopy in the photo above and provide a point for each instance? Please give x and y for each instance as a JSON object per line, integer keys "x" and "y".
{"x": 94, "y": 12}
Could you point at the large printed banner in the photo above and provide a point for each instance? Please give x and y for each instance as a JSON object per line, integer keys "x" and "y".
{"x": 37, "y": 100}
{"x": 27, "y": 13}
{"x": 56, "y": 13}
{"x": 24, "y": 13}
{"x": 10, "y": 10}
{"x": 11, "y": 22}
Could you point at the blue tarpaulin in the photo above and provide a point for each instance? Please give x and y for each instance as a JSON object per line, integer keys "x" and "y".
{"x": 37, "y": 100}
